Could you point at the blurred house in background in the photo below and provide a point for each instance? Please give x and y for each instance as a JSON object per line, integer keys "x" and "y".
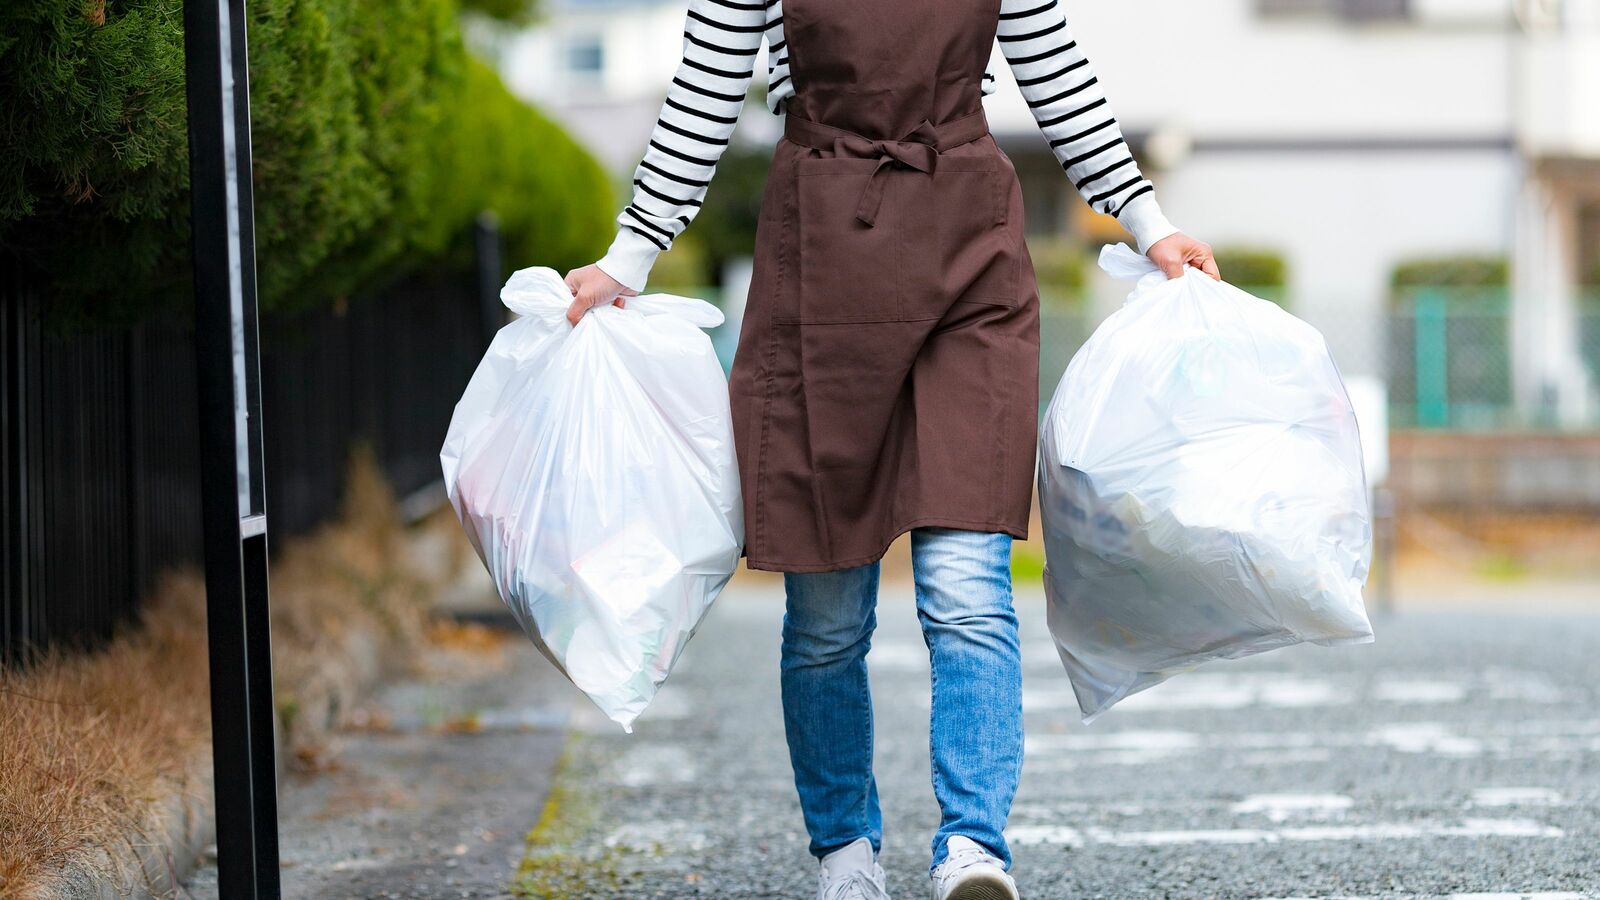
{"x": 602, "y": 67}
{"x": 1426, "y": 171}
{"x": 1557, "y": 251}
{"x": 1350, "y": 137}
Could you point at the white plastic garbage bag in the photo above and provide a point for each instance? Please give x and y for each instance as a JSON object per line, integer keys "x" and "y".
{"x": 593, "y": 469}
{"x": 1201, "y": 486}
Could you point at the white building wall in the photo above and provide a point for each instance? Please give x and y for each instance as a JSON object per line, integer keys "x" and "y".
{"x": 1348, "y": 148}
{"x": 1220, "y": 69}
{"x": 612, "y": 115}
{"x": 1344, "y": 219}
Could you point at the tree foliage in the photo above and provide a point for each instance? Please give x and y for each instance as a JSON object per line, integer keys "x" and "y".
{"x": 513, "y": 12}
{"x": 1060, "y": 265}
{"x": 377, "y": 140}
{"x": 726, "y": 225}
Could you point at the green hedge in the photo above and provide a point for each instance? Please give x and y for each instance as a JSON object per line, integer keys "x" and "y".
{"x": 377, "y": 139}
{"x": 1253, "y": 267}
{"x": 1261, "y": 271}
{"x": 1464, "y": 281}
{"x": 1452, "y": 271}
{"x": 725, "y": 228}
{"x": 1061, "y": 265}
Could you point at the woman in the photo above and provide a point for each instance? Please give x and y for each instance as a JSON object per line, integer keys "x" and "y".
{"x": 886, "y": 377}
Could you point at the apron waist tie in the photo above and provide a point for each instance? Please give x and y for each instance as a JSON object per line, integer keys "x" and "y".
{"x": 918, "y": 149}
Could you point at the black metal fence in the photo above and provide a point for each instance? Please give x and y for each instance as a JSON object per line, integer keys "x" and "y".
{"x": 99, "y": 482}
{"x": 388, "y": 372}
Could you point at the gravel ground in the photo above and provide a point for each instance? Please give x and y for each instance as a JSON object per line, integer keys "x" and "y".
{"x": 1460, "y": 754}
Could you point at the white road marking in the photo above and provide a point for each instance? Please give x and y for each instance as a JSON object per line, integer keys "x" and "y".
{"x": 1050, "y": 812}
{"x": 1528, "y": 895}
{"x": 1426, "y": 737}
{"x": 1518, "y": 684}
{"x": 1382, "y": 831}
{"x": 1089, "y": 747}
{"x": 1284, "y": 690}
{"x": 1125, "y": 739}
{"x": 1022, "y": 835}
{"x": 1502, "y": 895}
{"x": 1401, "y": 691}
{"x": 898, "y": 656}
{"x": 1281, "y": 807}
{"x": 667, "y": 836}
{"x": 1287, "y": 757}
{"x": 1515, "y": 796}
{"x": 1198, "y": 690}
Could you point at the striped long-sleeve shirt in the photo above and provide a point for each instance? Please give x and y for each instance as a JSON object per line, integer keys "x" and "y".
{"x": 721, "y": 40}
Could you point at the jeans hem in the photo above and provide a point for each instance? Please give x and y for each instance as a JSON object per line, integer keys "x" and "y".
{"x": 1020, "y": 532}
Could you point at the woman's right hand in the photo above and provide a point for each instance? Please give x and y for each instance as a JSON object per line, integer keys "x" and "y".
{"x": 1175, "y": 251}
{"x": 592, "y": 287}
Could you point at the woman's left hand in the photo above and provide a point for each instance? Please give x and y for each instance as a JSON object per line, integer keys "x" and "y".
{"x": 1172, "y": 252}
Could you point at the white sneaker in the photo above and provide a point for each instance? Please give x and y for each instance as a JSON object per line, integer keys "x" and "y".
{"x": 970, "y": 872}
{"x": 852, "y": 873}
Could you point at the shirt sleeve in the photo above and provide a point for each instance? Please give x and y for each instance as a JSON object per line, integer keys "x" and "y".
{"x": 1072, "y": 112}
{"x": 721, "y": 39}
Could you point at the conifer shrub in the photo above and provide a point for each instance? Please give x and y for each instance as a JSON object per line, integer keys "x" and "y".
{"x": 377, "y": 139}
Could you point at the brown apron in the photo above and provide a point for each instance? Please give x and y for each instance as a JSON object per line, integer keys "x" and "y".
{"x": 887, "y": 370}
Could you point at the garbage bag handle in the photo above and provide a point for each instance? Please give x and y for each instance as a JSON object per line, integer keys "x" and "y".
{"x": 541, "y": 292}
{"x": 690, "y": 309}
{"x": 1125, "y": 263}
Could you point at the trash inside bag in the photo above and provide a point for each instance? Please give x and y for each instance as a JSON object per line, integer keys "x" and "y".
{"x": 1201, "y": 488}
{"x": 593, "y": 469}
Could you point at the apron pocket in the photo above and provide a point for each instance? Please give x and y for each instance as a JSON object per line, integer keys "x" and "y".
{"x": 977, "y": 246}
{"x": 847, "y": 269}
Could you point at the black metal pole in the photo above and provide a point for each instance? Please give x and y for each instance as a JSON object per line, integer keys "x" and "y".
{"x": 486, "y": 243}
{"x": 231, "y": 478}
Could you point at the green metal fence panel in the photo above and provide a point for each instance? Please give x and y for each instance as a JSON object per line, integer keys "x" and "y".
{"x": 1449, "y": 360}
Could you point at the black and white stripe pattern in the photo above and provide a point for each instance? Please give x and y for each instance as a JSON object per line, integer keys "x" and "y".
{"x": 721, "y": 41}
{"x": 1068, "y": 103}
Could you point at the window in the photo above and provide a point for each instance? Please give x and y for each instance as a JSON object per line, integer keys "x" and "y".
{"x": 585, "y": 56}
{"x": 1589, "y": 256}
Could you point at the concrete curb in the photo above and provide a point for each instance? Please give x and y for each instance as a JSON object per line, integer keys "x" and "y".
{"x": 156, "y": 854}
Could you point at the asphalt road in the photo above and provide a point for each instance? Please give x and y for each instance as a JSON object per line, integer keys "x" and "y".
{"x": 1459, "y": 754}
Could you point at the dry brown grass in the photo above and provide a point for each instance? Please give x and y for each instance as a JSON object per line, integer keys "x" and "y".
{"x": 349, "y": 603}
{"x": 91, "y": 745}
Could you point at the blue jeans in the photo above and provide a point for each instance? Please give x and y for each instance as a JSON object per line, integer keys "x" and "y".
{"x": 963, "y": 583}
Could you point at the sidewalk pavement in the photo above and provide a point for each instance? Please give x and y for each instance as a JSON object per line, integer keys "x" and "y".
{"x": 434, "y": 796}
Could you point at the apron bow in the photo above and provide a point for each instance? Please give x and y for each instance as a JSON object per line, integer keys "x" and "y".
{"x": 915, "y": 150}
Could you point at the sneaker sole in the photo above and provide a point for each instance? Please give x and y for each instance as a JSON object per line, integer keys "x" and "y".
{"x": 983, "y": 887}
